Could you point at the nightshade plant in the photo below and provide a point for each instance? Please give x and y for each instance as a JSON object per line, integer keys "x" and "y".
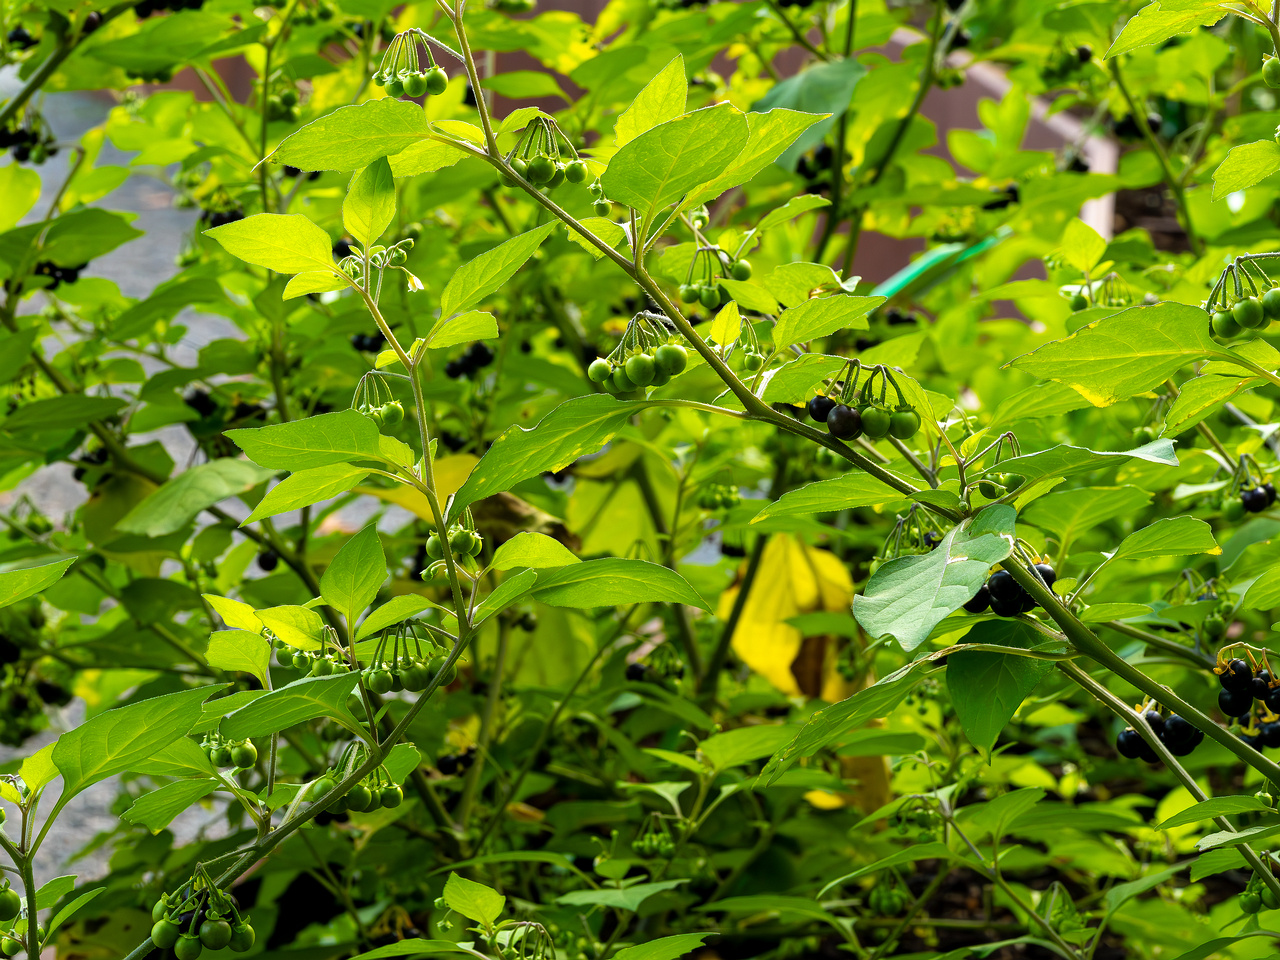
{"x": 568, "y": 557}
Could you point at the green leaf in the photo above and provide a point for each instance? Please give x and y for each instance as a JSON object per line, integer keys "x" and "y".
{"x": 1082, "y": 246}
{"x": 524, "y": 85}
{"x": 1201, "y": 396}
{"x": 240, "y": 651}
{"x": 352, "y": 579}
{"x": 630, "y": 898}
{"x": 370, "y": 205}
{"x": 1214, "y": 807}
{"x": 769, "y": 134}
{"x": 338, "y": 437}
{"x": 20, "y": 187}
{"x": 736, "y": 747}
{"x": 663, "y": 164}
{"x": 830, "y": 724}
{"x": 402, "y": 760}
{"x": 156, "y": 810}
{"x": 283, "y": 242}
{"x": 463, "y": 328}
{"x": 849, "y": 490}
{"x": 909, "y": 596}
{"x": 1065, "y": 460}
{"x": 426, "y": 156}
{"x": 1070, "y": 513}
{"x": 473, "y": 900}
{"x": 823, "y": 91}
{"x": 183, "y": 758}
{"x": 1124, "y": 355}
{"x": 296, "y": 626}
{"x": 474, "y": 281}
{"x": 1245, "y": 165}
{"x": 307, "y": 487}
{"x": 750, "y": 295}
{"x": 71, "y": 909}
{"x": 664, "y": 948}
{"x": 1218, "y": 946}
{"x": 995, "y": 817}
{"x": 662, "y": 99}
{"x": 115, "y": 741}
{"x": 919, "y": 851}
{"x": 415, "y": 947}
{"x": 61, "y": 413}
{"x": 792, "y": 209}
{"x": 1163, "y": 19}
{"x": 727, "y": 326}
{"x": 314, "y": 281}
{"x": 396, "y": 610}
{"x": 987, "y": 688}
{"x": 511, "y": 590}
{"x": 613, "y": 581}
{"x": 355, "y": 136}
{"x": 535, "y": 550}
{"x": 172, "y": 506}
{"x": 293, "y": 703}
{"x": 792, "y": 382}
{"x": 1169, "y": 537}
{"x": 1122, "y": 893}
{"x": 1234, "y": 838}
{"x": 574, "y": 429}
{"x": 821, "y": 317}
{"x": 26, "y": 582}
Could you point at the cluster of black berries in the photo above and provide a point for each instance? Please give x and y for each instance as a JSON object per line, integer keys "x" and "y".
{"x": 1064, "y": 64}
{"x": 1176, "y": 733}
{"x": 56, "y": 274}
{"x": 298, "y": 172}
{"x": 368, "y": 342}
{"x": 21, "y": 39}
{"x": 477, "y": 357}
{"x": 817, "y": 167}
{"x": 1240, "y": 687}
{"x": 27, "y": 143}
{"x": 1007, "y": 195}
{"x": 146, "y": 8}
{"x": 220, "y": 218}
{"x": 1256, "y": 499}
{"x": 159, "y": 75}
{"x": 1005, "y": 597}
{"x": 451, "y": 763}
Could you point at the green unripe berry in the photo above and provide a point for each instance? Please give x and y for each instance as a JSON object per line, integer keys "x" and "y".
{"x": 541, "y": 170}
{"x": 599, "y": 370}
{"x": 437, "y": 81}
{"x": 1249, "y": 313}
{"x": 242, "y": 937}
{"x": 876, "y": 422}
{"x": 437, "y": 663}
{"x": 1079, "y": 302}
{"x": 415, "y": 85}
{"x": 434, "y": 549}
{"x": 671, "y": 359}
{"x": 904, "y": 423}
{"x": 741, "y": 270}
{"x": 165, "y": 933}
{"x": 359, "y": 797}
{"x": 394, "y": 88}
{"x": 391, "y": 796}
{"x": 392, "y": 413}
{"x": 576, "y": 171}
{"x": 640, "y": 369}
{"x": 1224, "y": 325}
{"x": 243, "y": 755}
{"x": 1271, "y": 72}
{"x": 188, "y": 947}
{"x": 688, "y": 293}
{"x": 603, "y": 208}
{"x": 215, "y": 934}
{"x": 709, "y": 296}
{"x": 752, "y": 362}
{"x": 379, "y": 680}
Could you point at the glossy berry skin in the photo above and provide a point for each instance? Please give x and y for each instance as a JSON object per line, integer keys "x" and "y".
{"x": 1254, "y": 499}
{"x": 1235, "y": 703}
{"x": 1003, "y": 607}
{"x": 636, "y": 672}
{"x": 1047, "y": 574}
{"x": 392, "y": 413}
{"x": 980, "y": 601}
{"x": 1154, "y": 721}
{"x": 576, "y": 171}
{"x": 671, "y": 359}
{"x": 1260, "y": 685}
{"x": 876, "y": 422}
{"x": 820, "y": 408}
{"x": 1271, "y": 72}
{"x": 1129, "y": 744}
{"x": 904, "y": 423}
{"x": 844, "y": 423}
{"x": 709, "y": 296}
{"x": 215, "y": 934}
{"x": 1237, "y": 676}
{"x": 1249, "y": 313}
{"x": 1179, "y": 735}
{"x": 1269, "y": 489}
{"x": 1003, "y": 587}
{"x": 602, "y": 208}
{"x": 188, "y": 947}
{"x": 1078, "y": 302}
{"x": 242, "y": 937}
{"x": 390, "y": 796}
{"x": 688, "y": 293}
{"x": 1269, "y": 734}
{"x": 541, "y": 169}
{"x": 1271, "y": 303}
{"x": 641, "y": 369}
{"x": 437, "y": 80}
{"x": 437, "y": 664}
{"x": 243, "y": 755}
{"x": 10, "y": 904}
{"x": 1224, "y": 325}
{"x": 599, "y": 370}
{"x": 741, "y": 270}
{"x": 1272, "y": 699}
{"x": 164, "y": 934}
{"x": 415, "y": 85}
{"x": 359, "y": 797}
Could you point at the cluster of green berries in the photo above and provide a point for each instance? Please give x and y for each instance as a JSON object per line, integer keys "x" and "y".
{"x": 1248, "y": 313}
{"x": 545, "y": 157}
{"x": 322, "y": 664}
{"x": 401, "y": 74}
{"x": 196, "y": 918}
{"x": 641, "y": 369}
{"x": 547, "y": 171}
{"x": 240, "y": 754}
{"x": 387, "y": 414}
{"x": 706, "y": 292}
{"x": 10, "y": 903}
{"x": 363, "y": 797}
{"x": 11, "y": 946}
{"x": 380, "y": 257}
{"x": 515, "y": 6}
{"x": 886, "y": 900}
{"x": 718, "y": 496}
{"x": 601, "y": 205}
{"x": 1257, "y": 894}
{"x": 406, "y": 673}
{"x": 283, "y": 106}
{"x": 654, "y": 844}
{"x": 463, "y": 542}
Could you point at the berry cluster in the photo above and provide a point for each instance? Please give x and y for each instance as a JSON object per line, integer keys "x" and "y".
{"x": 547, "y": 158}
{"x": 1253, "y": 499}
{"x": 373, "y": 398}
{"x": 718, "y": 496}
{"x": 654, "y": 840}
{"x": 380, "y": 258}
{"x": 322, "y": 664}
{"x": 200, "y": 916}
{"x": 240, "y": 754}
{"x": 28, "y": 143}
{"x": 401, "y": 73}
{"x": 476, "y": 358}
{"x": 10, "y": 903}
{"x": 644, "y": 357}
{"x": 1256, "y": 893}
{"x": 451, "y": 763}
{"x": 886, "y": 900}
{"x": 1241, "y": 687}
{"x": 21, "y": 39}
{"x": 869, "y": 416}
{"x": 463, "y": 542}
{"x": 1271, "y": 72}
{"x": 145, "y": 8}
{"x": 1247, "y": 313}
{"x": 1005, "y": 597}
{"x": 368, "y": 342}
{"x": 57, "y": 275}
{"x": 406, "y": 673}
{"x": 1176, "y": 733}
{"x": 1063, "y": 64}
{"x": 283, "y": 106}
{"x": 710, "y": 263}
{"x": 364, "y": 797}
{"x": 219, "y": 218}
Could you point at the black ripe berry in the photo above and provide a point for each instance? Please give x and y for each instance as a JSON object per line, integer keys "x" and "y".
{"x": 1047, "y": 574}
{"x": 1129, "y": 744}
{"x": 1254, "y": 499}
{"x": 267, "y": 560}
{"x": 1180, "y": 736}
{"x": 635, "y": 672}
{"x": 1269, "y": 733}
{"x": 820, "y": 408}
{"x": 1272, "y": 699}
{"x": 980, "y": 600}
{"x": 1238, "y": 676}
{"x": 1260, "y": 685}
{"x": 1269, "y": 489}
{"x": 1235, "y": 703}
{"x": 844, "y": 423}
{"x": 1154, "y": 721}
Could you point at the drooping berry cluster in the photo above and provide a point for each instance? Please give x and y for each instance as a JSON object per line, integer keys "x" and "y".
{"x": 1254, "y": 498}
{"x": 1005, "y": 597}
{"x": 57, "y": 275}
{"x": 473, "y": 360}
{"x": 702, "y": 284}
{"x": 240, "y": 754}
{"x": 852, "y": 414}
{"x": 718, "y": 496}
{"x": 1231, "y": 317}
{"x": 368, "y": 342}
{"x": 30, "y": 141}
{"x": 641, "y": 359}
{"x": 402, "y": 74}
{"x": 546, "y": 157}
{"x": 463, "y": 543}
{"x": 373, "y": 398}
{"x": 654, "y": 839}
{"x": 1177, "y": 734}
{"x": 200, "y": 916}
